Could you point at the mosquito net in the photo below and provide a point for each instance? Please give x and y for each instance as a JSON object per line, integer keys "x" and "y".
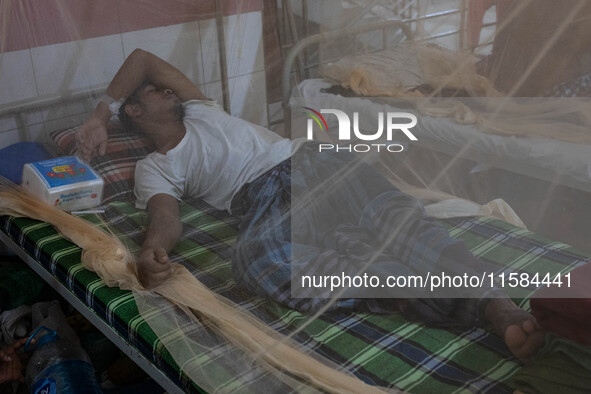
{"x": 473, "y": 107}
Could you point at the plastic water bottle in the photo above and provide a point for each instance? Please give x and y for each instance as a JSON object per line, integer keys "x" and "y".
{"x": 58, "y": 366}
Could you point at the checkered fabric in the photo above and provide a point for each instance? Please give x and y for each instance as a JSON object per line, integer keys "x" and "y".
{"x": 320, "y": 214}
{"x": 117, "y": 166}
{"x": 578, "y": 87}
{"x": 380, "y": 349}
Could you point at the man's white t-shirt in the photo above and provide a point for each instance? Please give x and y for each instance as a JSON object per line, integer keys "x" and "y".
{"x": 217, "y": 156}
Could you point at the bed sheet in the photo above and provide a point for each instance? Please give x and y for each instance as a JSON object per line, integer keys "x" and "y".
{"x": 533, "y": 156}
{"x": 383, "y": 350}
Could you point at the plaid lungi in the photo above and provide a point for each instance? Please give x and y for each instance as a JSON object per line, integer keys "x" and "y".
{"x": 336, "y": 212}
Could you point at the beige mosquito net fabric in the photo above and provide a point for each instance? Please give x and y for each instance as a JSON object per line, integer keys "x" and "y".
{"x": 536, "y": 46}
{"x": 184, "y": 308}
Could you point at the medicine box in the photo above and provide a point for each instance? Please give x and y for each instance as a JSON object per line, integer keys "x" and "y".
{"x": 65, "y": 182}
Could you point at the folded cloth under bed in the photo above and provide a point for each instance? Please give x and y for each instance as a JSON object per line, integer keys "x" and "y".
{"x": 382, "y": 350}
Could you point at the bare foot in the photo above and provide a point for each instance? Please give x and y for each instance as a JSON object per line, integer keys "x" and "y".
{"x": 523, "y": 336}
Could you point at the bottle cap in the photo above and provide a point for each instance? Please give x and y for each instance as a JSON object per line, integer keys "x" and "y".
{"x": 43, "y": 335}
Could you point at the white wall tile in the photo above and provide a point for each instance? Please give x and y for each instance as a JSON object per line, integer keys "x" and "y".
{"x": 77, "y": 64}
{"x": 244, "y": 43}
{"x": 64, "y": 123}
{"x": 72, "y": 108}
{"x": 8, "y": 123}
{"x": 16, "y": 77}
{"x": 213, "y": 91}
{"x": 37, "y": 132}
{"x": 209, "y": 49}
{"x": 177, "y": 44}
{"x": 248, "y": 97}
{"x": 8, "y": 138}
{"x": 34, "y": 117}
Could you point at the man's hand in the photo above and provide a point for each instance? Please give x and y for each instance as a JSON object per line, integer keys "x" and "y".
{"x": 163, "y": 233}
{"x": 154, "y": 267}
{"x": 11, "y": 363}
{"x": 91, "y": 137}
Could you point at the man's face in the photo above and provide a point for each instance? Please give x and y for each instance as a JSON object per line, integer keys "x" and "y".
{"x": 158, "y": 102}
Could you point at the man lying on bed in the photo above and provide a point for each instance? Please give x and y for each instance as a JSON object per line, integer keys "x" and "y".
{"x": 234, "y": 165}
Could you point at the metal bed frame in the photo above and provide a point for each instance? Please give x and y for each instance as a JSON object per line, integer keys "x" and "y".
{"x": 316, "y": 38}
{"x": 406, "y": 11}
{"x": 20, "y": 109}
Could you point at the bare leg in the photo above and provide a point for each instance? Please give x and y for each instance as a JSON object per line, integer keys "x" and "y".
{"x": 518, "y": 328}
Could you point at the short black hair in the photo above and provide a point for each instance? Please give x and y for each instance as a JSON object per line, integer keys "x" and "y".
{"x": 127, "y": 122}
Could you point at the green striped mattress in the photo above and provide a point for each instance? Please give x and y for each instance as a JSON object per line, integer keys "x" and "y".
{"x": 383, "y": 350}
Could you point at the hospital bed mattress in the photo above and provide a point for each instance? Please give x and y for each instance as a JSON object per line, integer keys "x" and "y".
{"x": 382, "y": 350}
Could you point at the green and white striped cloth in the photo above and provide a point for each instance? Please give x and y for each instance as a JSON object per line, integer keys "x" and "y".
{"x": 383, "y": 350}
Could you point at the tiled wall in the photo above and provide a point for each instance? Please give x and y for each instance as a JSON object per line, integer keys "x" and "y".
{"x": 189, "y": 43}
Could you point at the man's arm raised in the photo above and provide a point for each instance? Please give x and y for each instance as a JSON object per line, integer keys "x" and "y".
{"x": 163, "y": 233}
{"x": 143, "y": 66}
{"x": 139, "y": 66}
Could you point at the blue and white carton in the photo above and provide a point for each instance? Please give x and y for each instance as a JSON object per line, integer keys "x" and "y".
{"x": 65, "y": 182}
